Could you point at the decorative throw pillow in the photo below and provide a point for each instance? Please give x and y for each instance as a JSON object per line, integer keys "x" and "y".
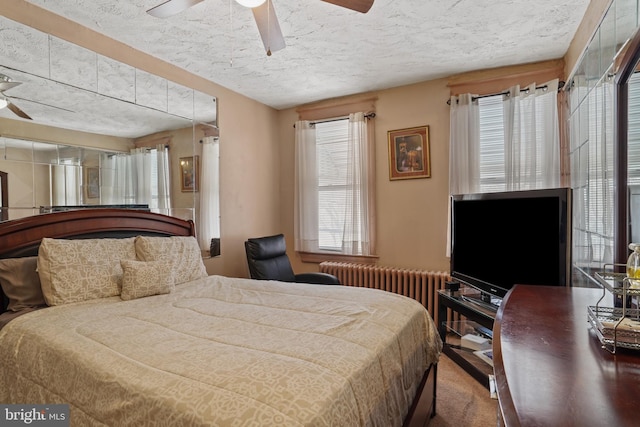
{"x": 142, "y": 279}
{"x": 182, "y": 252}
{"x": 82, "y": 269}
{"x": 21, "y": 284}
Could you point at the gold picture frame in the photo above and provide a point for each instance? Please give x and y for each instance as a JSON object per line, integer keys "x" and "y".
{"x": 189, "y": 174}
{"x": 409, "y": 155}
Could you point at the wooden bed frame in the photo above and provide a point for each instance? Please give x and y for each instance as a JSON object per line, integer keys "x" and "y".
{"x": 22, "y": 237}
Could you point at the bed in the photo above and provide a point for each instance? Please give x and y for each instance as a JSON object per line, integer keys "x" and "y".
{"x": 198, "y": 350}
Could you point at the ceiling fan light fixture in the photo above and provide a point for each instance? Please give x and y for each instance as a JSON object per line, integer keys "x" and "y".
{"x": 3, "y": 102}
{"x": 250, "y": 3}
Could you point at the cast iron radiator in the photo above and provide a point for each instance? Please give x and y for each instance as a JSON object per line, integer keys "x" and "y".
{"x": 421, "y": 285}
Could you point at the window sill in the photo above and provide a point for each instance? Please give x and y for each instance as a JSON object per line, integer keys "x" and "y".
{"x": 318, "y": 257}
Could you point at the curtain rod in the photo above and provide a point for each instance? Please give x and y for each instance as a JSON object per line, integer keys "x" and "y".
{"x": 127, "y": 153}
{"x": 370, "y": 115}
{"x": 474, "y": 98}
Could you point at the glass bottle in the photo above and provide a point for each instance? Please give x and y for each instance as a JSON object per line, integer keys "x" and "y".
{"x": 633, "y": 262}
{"x": 633, "y": 273}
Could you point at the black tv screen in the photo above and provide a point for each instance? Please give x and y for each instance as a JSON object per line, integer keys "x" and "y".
{"x": 499, "y": 240}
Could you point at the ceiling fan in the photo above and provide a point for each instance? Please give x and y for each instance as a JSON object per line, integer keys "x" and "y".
{"x": 263, "y": 13}
{"x": 5, "y": 84}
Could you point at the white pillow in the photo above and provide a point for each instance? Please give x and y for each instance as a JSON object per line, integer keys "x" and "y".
{"x": 142, "y": 279}
{"x": 82, "y": 269}
{"x": 182, "y": 252}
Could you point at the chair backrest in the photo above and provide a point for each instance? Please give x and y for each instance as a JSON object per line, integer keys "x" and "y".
{"x": 268, "y": 260}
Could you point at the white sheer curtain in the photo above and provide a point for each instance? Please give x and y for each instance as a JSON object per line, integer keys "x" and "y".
{"x": 464, "y": 145}
{"x": 163, "y": 179}
{"x": 114, "y": 177}
{"x": 139, "y": 177}
{"x": 356, "y": 239}
{"x": 306, "y": 188}
{"x": 66, "y": 179}
{"x": 209, "y": 192}
{"x": 532, "y": 137}
{"x": 141, "y": 174}
{"x": 464, "y": 151}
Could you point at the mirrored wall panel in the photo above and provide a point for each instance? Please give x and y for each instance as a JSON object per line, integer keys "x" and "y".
{"x": 80, "y": 129}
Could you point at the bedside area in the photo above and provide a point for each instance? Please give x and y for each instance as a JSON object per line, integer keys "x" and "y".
{"x": 550, "y": 368}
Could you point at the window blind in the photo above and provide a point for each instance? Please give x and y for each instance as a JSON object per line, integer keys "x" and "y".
{"x": 633, "y": 155}
{"x": 491, "y": 144}
{"x": 634, "y": 130}
{"x": 331, "y": 147}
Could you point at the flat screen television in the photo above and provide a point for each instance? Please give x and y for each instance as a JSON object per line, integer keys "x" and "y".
{"x": 499, "y": 240}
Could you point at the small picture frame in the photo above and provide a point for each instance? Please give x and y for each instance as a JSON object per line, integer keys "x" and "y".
{"x": 409, "y": 153}
{"x": 189, "y": 173}
{"x": 93, "y": 183}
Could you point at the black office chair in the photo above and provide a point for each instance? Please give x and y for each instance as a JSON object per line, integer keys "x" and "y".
{"x": 268, "y": 260}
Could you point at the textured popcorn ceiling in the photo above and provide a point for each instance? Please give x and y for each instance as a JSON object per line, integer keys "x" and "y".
{"x": 331, "y": 51}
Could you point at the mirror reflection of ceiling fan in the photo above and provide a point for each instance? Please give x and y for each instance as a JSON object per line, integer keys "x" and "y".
{"x": 263, "y": 13}
{"x": 5, "y": 101}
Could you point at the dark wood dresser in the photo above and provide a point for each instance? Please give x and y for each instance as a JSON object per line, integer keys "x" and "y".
{"x": 550, "y": 368}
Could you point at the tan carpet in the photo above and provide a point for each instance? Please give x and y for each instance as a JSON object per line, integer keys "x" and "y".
{"x": 461, "y": 401}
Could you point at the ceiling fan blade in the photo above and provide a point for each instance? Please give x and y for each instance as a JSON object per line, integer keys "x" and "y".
{"x": 18, "y": 112}
{"x": 171, "y": 7}
{"x": 4, "y": 85}
{"x": 362, "y": 6}
{"x": 268, "y": 27}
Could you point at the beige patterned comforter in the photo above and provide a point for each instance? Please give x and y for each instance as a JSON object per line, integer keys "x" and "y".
{"x": 224, "y": 352}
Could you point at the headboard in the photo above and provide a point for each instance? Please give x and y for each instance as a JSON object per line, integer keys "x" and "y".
{"x": 21, "y": 237}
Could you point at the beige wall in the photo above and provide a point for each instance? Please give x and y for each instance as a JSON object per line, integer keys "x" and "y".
{"x": 28, "y": 183}
{"x": 249, "y": 172}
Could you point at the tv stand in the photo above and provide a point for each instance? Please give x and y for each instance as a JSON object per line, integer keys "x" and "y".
{"x": 484, "y": 300}
{"x": 470, "y": 313}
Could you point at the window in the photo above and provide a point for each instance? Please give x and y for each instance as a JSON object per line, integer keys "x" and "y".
{"x": 530, "y": 125}
{"x": 333, "y": 191}
{"x": 592, "y": 177}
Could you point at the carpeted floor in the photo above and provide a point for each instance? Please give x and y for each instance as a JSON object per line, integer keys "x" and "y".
{"x": 461, "y": 401}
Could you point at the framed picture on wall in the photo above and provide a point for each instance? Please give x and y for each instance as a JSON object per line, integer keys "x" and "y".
{"x": 189, "y": 173}
{"x": 409, "y": 153}
{"x": 93, "y": 183}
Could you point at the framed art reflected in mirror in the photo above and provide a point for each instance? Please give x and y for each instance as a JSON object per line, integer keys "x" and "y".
{"x": 93, "y": 183}
{"x": 189, "y": 173}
